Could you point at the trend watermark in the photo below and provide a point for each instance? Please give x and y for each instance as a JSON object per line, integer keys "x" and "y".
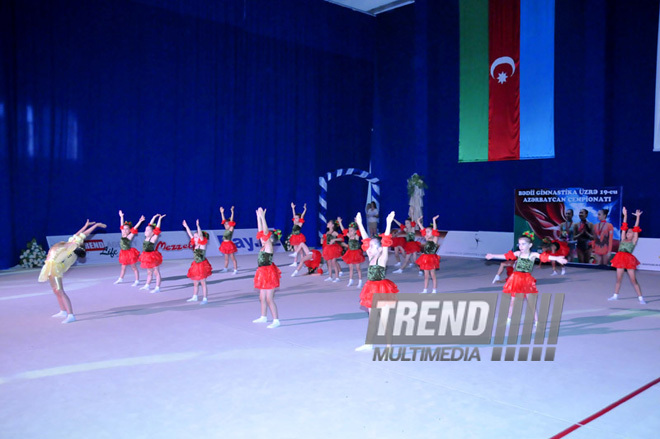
{"x": 472, "y": 319}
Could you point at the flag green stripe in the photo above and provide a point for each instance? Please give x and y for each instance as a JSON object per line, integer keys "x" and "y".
{"x": 474, "y": 67}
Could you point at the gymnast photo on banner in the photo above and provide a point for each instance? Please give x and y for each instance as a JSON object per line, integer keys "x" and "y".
{"x": 581, "y": 224}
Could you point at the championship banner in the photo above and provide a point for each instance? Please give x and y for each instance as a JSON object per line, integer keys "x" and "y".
{"x": 103, "y": 248}
{"x": 583, "y": 222}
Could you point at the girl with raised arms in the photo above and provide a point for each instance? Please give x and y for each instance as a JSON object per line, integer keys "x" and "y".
{"x": 200, "y": 268}
{"x": 228, "y": 248}
{"x": 128, "y": 255}
{"x": 150, "y": 258}
{"x": 267, "y": 277}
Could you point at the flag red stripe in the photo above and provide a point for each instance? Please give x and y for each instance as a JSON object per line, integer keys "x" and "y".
{"x": 504, "y": 83}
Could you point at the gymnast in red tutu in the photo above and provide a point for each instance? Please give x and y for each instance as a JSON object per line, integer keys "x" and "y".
{"x": 556, "y": 248}
{"x": 521, "y": 281}
{"x": 429, "y": 261}
{"x": 354, "y": 256}
{"x": 559, "y": 248}
{"x": 128, "y": 255}
{"x": 297, "y": 239}
{"x": 267, "y": 277}
{"x": 411, "y": 246}
{"x": 506, "y": 265}
{"x": 624, "y": 260}
{"x": 377, "y": 252}
{"x": 399, "y": 245}
{"x": 332, "y": 249}
{"x": 200, "y": 268}
{"x": 228, "y": 248}
{"x": 150, "y": 258}
{"x": 314, "y": 263}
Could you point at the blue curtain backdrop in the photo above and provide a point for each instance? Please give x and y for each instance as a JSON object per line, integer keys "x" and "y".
{"x": 179, "y": 106}
{"x": 124, "y": 105}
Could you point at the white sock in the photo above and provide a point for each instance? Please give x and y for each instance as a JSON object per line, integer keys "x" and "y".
{"x": 136, "y": 283}
{"x": 359, "y": 285}
{"x": 294, "y": 273}
{"x": 424, "y": 291}
{"x": 155, "y": 290}
{"x": 70, "y": 318}
{"x": 192, "y": 299}
{"x": 235, "y": 271}
{"x": 119, "y": 280}
{"x": 275, "y": 324}
{"x": 641, "y": 300}
{"x": 204, "y": 301}
{"x": 350, "y": 282}
{"x": 614, "y": 297}
{"x": 434, "y": 291}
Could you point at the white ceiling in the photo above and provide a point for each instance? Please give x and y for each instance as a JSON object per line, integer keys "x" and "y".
{"x": 372, "y": 7}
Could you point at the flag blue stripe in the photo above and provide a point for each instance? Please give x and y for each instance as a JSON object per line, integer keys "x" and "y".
{"x": 537, "y": 74}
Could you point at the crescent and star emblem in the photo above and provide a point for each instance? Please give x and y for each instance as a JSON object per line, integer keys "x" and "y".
{"x": 502, "y": 77}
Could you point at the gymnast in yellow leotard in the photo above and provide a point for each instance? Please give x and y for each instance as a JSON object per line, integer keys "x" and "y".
{"x": 60, "y": 258}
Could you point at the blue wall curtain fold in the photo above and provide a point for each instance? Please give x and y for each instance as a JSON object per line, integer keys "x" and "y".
{"x": 124, "y": 105}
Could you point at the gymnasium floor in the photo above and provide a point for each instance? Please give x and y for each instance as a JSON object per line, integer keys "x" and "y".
{"x": 140, "y": 365}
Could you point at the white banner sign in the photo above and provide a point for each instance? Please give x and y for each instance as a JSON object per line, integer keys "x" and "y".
{"x": 647, "y": 251}
{"x": 103, "y": 248}
{"x": 475, "y": 244}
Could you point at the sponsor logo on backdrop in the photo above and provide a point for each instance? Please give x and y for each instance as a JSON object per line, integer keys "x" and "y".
{"x": 103, "y": 248}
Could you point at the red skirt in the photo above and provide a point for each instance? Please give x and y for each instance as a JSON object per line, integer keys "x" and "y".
{"x": 267, "y": 277}
{"x": 200, "y": 270}
{"x": 564, "y": 249}
{"x": 372, "y": 287}
{"x": 228, "y": 247}
{"x": 353, "y": 257}
{"x": 520, "y": 283}
{"x": 150, "y": 259}
{"x": 298, "y": 239}
{"x": 399, "y": 241}
{"x": 332, "y": 251}
{"x": 129, "y": 257}
{"x": 315, "y": 261}
{"x": 428, "y": 262}
{"x": 412, "y": 247}
{"x": 624, "y": 260}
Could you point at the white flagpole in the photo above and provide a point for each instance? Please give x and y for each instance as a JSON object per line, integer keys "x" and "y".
{"x": 369, "y": 196}
{"x": 656, "y": 125}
